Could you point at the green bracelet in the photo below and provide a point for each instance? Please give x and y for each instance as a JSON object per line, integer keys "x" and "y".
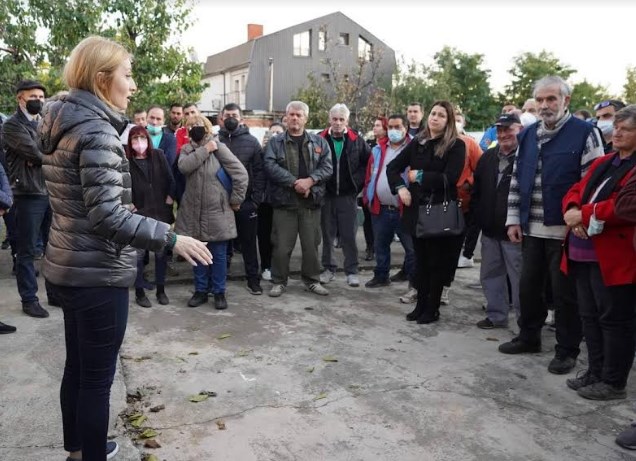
{"x": 171, "y": 240}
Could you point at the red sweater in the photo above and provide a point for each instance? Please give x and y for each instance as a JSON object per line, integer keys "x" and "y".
{"x": 613, "y": 247}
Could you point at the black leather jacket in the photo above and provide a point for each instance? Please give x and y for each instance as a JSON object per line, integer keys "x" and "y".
{"x": 24, "y": 159}
{"x": 87, "y": 174}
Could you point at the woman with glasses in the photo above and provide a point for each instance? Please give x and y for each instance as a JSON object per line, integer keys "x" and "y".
{"x": 216, "y": 184}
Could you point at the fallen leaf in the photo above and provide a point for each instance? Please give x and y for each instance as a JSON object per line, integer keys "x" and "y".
{"x": 158, "y": 408}
{"x": 152, "y": 443}
{"x": 310, "y": 369}
{"x": 142, "y": 358}
{"x": 193, "y": 353}
{"x": 491, "y": 339}
{"x": 322, "y": 395}
{"x": 198, "y": 398}
{"x": 354, "y": 386}
{"x": 220, "y": 424}
{"x": 208, "y": 393}
{"x": 125, "y": 357}
{"x": 224, "y": 336}
{"x": 148, "y": 434}
{"x": 149, "y": 457}
{"x": 329, "y": 358}
{"x": 244, "y": 352}
{"x": 182, "y": 359}
{"x": 138, "y": 421}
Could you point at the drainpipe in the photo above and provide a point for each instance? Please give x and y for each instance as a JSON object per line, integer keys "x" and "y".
{"x": 271, "y": 85}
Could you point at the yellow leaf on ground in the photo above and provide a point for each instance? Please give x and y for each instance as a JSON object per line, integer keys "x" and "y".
{"x": 322, "y": 395}
{"x": 329, "y": 358}
{"x": 224, "y": 336}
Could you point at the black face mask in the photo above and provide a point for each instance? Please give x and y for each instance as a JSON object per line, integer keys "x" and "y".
{"x": 230, "y": 124}
{"x": 34, "y": 106}
{"x": 197, "y": 133}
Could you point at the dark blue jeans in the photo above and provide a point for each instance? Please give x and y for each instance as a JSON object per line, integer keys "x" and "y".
{"x": 94, "y": 327}
{"x": 211, "y": 279}
{"x": 161, "y": 263}
{"x": 246, "y": 227}
{"x": 385, "y": 225}
{"x": 32, "y": 216}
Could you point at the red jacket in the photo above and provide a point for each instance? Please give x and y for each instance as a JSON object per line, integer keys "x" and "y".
{"x": 613, "y": 247}
{"x": 182, "y": 138}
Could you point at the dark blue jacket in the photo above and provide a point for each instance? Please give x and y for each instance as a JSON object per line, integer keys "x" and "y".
{"x": 561, "y": 168}
{"x": 168, "y": 145}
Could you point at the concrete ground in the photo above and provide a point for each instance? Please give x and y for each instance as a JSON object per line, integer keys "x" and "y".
{"x": 343, "y": 377}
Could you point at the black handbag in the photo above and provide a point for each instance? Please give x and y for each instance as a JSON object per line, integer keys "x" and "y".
{"x": 440, "y": 219}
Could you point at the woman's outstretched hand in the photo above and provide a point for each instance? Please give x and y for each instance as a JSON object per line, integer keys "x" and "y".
{"x": 192, "y": 250}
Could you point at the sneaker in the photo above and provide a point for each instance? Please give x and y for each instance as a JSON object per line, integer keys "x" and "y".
{"x": 254, "y": 287}
{"x": 220, "y": 302}
{"x": 376, "y": 282}
{"x": 353, "y": 280}
{"x": 33, "y": 309}
{"x": 444, "y": 299}
{"x": 112, "y": 448}
{"x": 163, "y": 299}
{"x": 410, "y": 296}
{"x": 517, "y": 346}
{"x": 487, "y": 324}
{"x": 317, "y": 288}
{"x": 399, "y": 276}
{"x": 198, "y": 298}
{"x": 583, "y": 378}
{"x": 327, "y": 276}
{"x": 561, "y": 365}
{"x": 602, "y": 391}
{"x": 267, "y": 275}
{"x": 277, "y": 290}
{"x": 6, "y": 329}
{"x": 465, "y": 262}
{"x": 627, "y": 438}
{"x": 5, "y": 244}
{"x": 143, "y": 301}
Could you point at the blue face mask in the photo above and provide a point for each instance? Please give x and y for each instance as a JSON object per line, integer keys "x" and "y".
{"x": 395, "y": 136}
{"x": 153, "y": 130}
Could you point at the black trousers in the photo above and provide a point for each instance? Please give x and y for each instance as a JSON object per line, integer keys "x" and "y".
{"x": 367, "y": 225}
{"x": 265, "y": 214}
{"x": 541, "y": 259}
{"x": 472, "y": 235}
{"x": 246, "y": 227}
{"x": 607, "y": 314}
{"x": 435, "y": 262}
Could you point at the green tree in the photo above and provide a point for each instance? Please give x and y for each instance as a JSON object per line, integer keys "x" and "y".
{"x": 586, "y": 94}
{"x": 527, "y": 69}
{"x": 629, "y": 89}
{"x": 315, "y": 96}
{"x": 410, "y": 86}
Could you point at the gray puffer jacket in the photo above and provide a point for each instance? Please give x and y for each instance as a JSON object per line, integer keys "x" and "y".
{"x": 93, "y": 231}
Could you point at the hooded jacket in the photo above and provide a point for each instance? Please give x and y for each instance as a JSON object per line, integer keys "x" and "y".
{"x": 349, "y": 171}
{"x": 93, "y": 231}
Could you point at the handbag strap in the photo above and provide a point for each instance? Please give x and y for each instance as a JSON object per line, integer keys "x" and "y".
{"x": 430, "y": 199}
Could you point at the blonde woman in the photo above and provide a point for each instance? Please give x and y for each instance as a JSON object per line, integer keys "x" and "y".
{"x": 90, "y": 261}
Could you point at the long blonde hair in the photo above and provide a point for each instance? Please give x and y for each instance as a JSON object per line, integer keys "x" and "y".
{"x": 450, "y": 132}
{"x": 92, "y": 64}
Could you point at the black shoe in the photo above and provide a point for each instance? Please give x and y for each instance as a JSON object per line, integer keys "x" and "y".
{"x": 602, "y": 391}
{"x": 6, "y": 329}
{"x": 369, "y": 256}
{"x": 561, "y": 365}
{"x": 33, "y": 309}
{"x": 5, "y": 244}
{"x": 143, "y": 301}
{"x": 198, "y": 298}
{"x": 517, "y": 346}
{"x": 163, "y": 299}
{"x": 219, "y": 302}
{"x": 486, "y": 324}
{"x": 415, "y": 313}
{"x": 254, "y": 287}
{"x": 400, "y": 276}
{"x": 376, "y": 282}
{"x": 583, "y": 378}
{"x": 426, "y": 317}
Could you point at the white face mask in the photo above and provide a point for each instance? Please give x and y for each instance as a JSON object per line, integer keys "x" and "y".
{"x": 527, "y": 119}
{"x": 606, "y": 126}
{"x": 460, "y": 126}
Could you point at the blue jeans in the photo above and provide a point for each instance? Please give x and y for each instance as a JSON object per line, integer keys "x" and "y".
{"x": 161, "y": 263}
{"x": 385, "y": 225}
{"x": 211, "y": 279}
{"x": 94, "y": 326}
{"x": 32, "y": 217}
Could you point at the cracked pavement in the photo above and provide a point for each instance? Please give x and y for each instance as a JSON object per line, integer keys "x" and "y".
{"x": 397, "y": 390}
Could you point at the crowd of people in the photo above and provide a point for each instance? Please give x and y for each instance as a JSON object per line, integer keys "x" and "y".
{"x": 552, "y": 193}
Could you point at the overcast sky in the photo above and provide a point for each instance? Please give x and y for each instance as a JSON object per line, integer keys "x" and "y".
{"x": 585, "y": 36}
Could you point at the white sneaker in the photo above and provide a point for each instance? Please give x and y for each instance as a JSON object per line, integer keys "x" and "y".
{"x": 277, "y": 290}
{"x": 444, "y": 299}
{"x": 353, "y": 280}
{"x": 465, "y": 262}
{"x": 267, "y": 275}
{"x": 327, "y": 276}
{"x": 317, "y": 288}
{"x": 410, "y": 296}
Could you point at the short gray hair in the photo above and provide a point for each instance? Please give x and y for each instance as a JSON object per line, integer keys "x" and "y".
{"x": 627, "y": 113}
{"x": 340, "y": 109}
{"x": 551, "y": 80}
{"x": 298, "y": 105}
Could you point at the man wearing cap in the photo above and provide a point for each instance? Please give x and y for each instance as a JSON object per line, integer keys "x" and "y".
{"x": 605, "y": 111}
{"x": 553, "y": 154}
{"x": 500, "y": 258}
{"x": 31, "y": 200}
